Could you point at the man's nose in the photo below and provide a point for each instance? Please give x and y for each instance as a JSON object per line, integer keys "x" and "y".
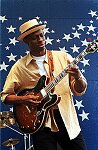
{"x": 40, "y": 38}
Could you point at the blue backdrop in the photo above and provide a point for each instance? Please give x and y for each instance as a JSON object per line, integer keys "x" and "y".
{"x": 71, "y": 25}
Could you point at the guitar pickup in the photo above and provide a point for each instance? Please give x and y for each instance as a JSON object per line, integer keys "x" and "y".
{"x": 43, "y": 92}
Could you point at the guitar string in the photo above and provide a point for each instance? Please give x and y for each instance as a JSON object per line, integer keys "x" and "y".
{"x": 75, "y": 61}
{"x": 55, "y": 81}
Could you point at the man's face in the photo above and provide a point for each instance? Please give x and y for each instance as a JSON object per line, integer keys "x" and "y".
{"x": 36, "y": 41}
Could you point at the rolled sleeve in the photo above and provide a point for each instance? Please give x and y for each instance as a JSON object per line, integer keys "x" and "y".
{"x": 3, "y": 96}
{"x": 10, "y": 87}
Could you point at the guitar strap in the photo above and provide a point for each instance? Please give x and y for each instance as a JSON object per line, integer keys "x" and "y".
{"x": 51, "y": 65}
{"x": 51, "y": 69}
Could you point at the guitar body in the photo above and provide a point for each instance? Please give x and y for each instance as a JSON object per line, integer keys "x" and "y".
{"x": 31, "y": 118}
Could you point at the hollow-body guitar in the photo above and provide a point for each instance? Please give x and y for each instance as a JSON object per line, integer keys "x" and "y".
{"x": 31, "y": 118}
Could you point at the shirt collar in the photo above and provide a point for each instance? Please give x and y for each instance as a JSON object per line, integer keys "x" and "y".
{"x": 30, "y": 58}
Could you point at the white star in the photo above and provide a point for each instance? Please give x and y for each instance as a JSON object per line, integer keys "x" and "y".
{"x": 3, "y": 66}
{"x": 37, "y": 18}
{"x": 96, "y": 18}
{"x": 21, "y": 56}
{"x": 94, "y": 34}
{"x": 2, "y": 18}
{"x": 58, "y": 40}
{"x": 91, "y": 28}
{"x": 49, "y": 41}
{"x": 11, "y": 29}
{"x": 40, "y": 22}
{"x": 84, "y": 43}
{"x": 67, "y": 37}
{"x": 88, "y": 33}
{"x": 82, "y": 70}
{"x": 75, "y": 49}
{"x": 46, "y": 30}
{"x": 7, "y": 48}
{"x": 27, "y": 52}
{"x": 81, "y": 27}
{"x": 91, "y": 21}
{"x": 84, "y": 115}
{"x": 45, "y": 22}
{"x": 20, "y": 18}
{"x": 92, "y": 13}
{"x": 11, "y": 109}
{"x": 52, "y": 31}
{"x": 73, "y": 28}
{"x": 63, "y": 49}
{"x": 79, "y": 104}
{"x": 85, "y": 62}
{"x": 76, "y": 34}
{"x": 13, "y": 41}
{"x": 11, "y": 57}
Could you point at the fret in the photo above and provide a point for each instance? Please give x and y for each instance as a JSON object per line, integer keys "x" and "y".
{"x": 75, "y": 61}
{"x": 91, "y": 49}
{"x": 62, "y": 74}
{"x": 57, "y": 80}
{"x": 80, "y": 57}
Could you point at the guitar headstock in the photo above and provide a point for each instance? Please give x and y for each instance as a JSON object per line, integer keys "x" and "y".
{"x": 92, "y": 47}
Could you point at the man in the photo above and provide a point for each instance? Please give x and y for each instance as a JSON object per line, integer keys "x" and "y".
{"x": 61, "y": 124}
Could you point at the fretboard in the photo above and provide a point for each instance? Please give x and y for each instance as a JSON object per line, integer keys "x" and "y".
{"x": 56, "y": 80}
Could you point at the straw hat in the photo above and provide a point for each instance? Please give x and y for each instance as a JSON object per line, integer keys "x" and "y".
{"x": 29, "y": 27}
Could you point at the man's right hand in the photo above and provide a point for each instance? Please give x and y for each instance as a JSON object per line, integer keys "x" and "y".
{"x": 28, "y": 98}
{"x": 33, "y": 99}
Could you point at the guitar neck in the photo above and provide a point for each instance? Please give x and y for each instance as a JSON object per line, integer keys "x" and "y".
{"x": 92, "y": 47}
{"x": 56, "y": 80}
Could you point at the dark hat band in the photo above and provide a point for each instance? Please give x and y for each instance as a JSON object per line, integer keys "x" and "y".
{"x": 31, "y": 28}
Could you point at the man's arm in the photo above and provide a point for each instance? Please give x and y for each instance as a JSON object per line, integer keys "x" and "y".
{"x": 14, "y": 99}
{"x": 78, "y": 83}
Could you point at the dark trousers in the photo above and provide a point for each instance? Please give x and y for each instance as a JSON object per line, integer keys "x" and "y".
{"x": 45, "y": 139}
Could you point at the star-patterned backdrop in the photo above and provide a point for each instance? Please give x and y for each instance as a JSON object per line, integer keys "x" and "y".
{"x": 70, "y": 26}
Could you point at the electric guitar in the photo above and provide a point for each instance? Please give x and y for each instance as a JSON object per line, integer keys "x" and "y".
{"x": 31, "y": 118}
